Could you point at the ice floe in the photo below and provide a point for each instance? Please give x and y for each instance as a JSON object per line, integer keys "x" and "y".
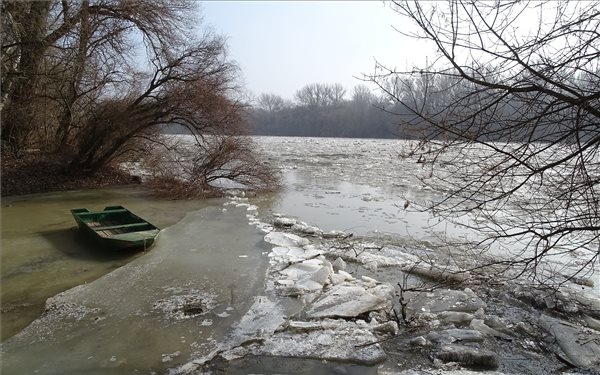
{"x": 348, "y": 300}
{"x": 580, "y": 347}
{"x": 285, "y": 239}
{"x": 283, "y": 222}
{"x": 444, "y": 300}
{"x": 304, "y": 277}
{"x": 324, "y": 343}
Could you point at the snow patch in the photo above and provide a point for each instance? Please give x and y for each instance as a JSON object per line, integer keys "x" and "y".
{"x": 186, "y": 305}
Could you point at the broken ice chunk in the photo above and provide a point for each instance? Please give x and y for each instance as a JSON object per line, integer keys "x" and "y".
{"x": 285, "y": 239}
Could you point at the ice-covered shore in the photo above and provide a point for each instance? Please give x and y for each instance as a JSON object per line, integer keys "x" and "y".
{"x": 313, "y": 308}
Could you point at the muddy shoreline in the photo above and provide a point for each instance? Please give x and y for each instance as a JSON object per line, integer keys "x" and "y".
{"x": 36, "y": 172}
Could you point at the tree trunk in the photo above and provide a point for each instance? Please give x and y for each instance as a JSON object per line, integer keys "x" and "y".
{"x": 72, "y": 85}
{"x": 18, "y": 112}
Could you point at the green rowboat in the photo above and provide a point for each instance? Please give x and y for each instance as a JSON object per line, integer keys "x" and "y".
{"x": 116, "y": 227}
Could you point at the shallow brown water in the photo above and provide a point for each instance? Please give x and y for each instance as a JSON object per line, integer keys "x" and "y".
{"x": 43, "y": 253}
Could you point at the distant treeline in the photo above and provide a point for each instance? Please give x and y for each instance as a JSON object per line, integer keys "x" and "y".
{"x": 402, "y": 108}
{"x": 321, "y": 110}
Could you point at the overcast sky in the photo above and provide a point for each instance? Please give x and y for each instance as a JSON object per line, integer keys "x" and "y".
{"x": 281, "y": 46}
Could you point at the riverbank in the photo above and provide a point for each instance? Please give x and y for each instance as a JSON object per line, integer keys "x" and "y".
{"x": 39, "y": 173}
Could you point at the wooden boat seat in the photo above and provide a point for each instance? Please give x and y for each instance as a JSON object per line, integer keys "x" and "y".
{"x": 120, "y": 210}
{"x": 120, "y": 226}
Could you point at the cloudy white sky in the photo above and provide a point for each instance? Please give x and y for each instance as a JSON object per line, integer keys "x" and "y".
{"x": 281, "y": 46}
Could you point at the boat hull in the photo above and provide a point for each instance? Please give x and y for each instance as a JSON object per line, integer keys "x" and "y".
{"x": 116, "y": 227}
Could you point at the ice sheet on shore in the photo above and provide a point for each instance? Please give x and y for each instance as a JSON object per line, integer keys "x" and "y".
{"x": 326, "y": 343}
{"x": 264, "y": 331}
{"x": 579, "y": 346}
{"x": 285, "y": 239}
{"x": 442, "y": 300}
{"x": 304, "y": 277}
{"x": 306, "y": 271}
{"x": 349, "y": 300}
{"x": 293, "y": 254}
{"x": 440, "y": 372}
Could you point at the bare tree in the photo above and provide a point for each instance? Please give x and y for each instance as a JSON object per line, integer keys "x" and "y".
{"x": 362, "y": 95}
{"x": 336, "y": 94}
{"x": 194, "y": 89}
{"x": 271, "y": 102}
{"x": 515, "y": 95}
{"x": 23, "y": 25}
{"x": 310, "y": 95}
{"x": 321, "y": 95}
{"x": 73, "y": 83}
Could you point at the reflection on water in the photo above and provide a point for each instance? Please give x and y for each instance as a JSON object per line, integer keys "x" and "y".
{"x": 43, "y": 253}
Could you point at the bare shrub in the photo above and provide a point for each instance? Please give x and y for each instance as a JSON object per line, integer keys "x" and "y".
{"x": 206, "y": 167}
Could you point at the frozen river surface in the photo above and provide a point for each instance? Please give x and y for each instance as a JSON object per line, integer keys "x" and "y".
{"x": 357, "y": 185}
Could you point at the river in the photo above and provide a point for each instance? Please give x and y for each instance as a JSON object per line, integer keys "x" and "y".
{"x": 130, "y": 320}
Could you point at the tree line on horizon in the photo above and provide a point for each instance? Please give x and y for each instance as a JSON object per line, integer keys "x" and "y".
{"x": 323, "y": 110}
{"x": 399, "y": 107}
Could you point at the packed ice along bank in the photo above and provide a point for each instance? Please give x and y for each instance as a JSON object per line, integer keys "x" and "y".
{"x": 323, "y": 301}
